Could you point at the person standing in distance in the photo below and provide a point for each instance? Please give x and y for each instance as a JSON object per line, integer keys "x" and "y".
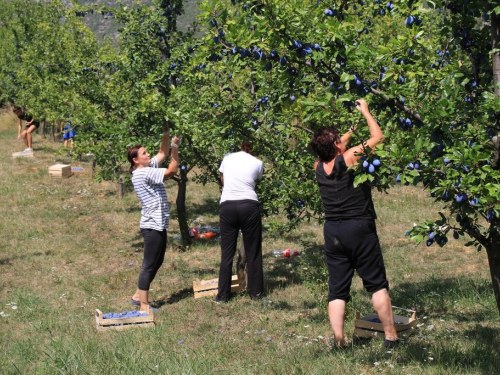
{"x": 239, "y": 210}
{"x": 69, "y": 132}
{"x": 351, "y": 241}
{"x": 30, "y": 127}
{"x": 147, "y": 178}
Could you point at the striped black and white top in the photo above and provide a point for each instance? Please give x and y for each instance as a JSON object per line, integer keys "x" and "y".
{"x": 149, "y": 187}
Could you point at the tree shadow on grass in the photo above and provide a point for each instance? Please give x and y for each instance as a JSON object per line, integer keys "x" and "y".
{"x": 175, "y": 297}
{"x": 7, "y": 261}
{"x": 483, "y": 353}
{"x": 435, "y": 297}
{"x": 282, "y": 273}
{"x": 474, "y": 348}
{"x": 207, "y": 208}
{"x": 479, "y": 355}
{"x": 286, "y": 271}
{"x": 202, "y": 273}
{"x": 304, "y": 239}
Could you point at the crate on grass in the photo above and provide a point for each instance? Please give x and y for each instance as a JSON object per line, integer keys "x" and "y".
{"x": 370, "y": 325}
{"x": 60, "y": 171}
{"x": 103, "y": 324}
{"x": 77, "y": 170}
{"x": 205, "y": 288}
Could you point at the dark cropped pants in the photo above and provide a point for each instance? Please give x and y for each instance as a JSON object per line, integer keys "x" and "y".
{"x": 155, "y": 245}
{"x": 244, "y": 215}
{"x": 353, "y": 245}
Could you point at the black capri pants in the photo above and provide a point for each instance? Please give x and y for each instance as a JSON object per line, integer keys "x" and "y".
{"x": 350, "y": 245}
{"x": 155, "y": 245}
{"x": 245, "y": 215}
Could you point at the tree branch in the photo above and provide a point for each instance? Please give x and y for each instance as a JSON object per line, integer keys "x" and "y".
{"x": 397, "y": 103}
{"x": 199, "y": 155}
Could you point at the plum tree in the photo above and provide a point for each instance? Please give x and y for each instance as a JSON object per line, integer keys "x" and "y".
{"x": 439, "y": 114}
{"x": 274, "y": 72}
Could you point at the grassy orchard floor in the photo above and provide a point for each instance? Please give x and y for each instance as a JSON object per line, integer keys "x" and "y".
{"x": 71, "y": 246}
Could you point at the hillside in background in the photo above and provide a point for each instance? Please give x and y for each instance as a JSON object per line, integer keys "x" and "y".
{"x": 108, "y": 27}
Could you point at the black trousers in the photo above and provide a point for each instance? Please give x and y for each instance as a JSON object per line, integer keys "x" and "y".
{"x": 244, "y": 215}
{"x": 155, "y": 245}
{"x": 353, "y": 245}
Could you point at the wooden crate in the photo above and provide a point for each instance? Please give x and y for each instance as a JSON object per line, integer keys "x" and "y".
{"x": 77, "y": 170}
{"x": 205, "y": 288}
{"x": 370, "y": 326}
{"x": 123, "y": 323}
{"x": 60, "y": 171}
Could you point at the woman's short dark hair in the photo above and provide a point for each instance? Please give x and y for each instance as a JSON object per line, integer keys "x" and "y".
{"x": 131, "y": 154}
{"x": 323, "y": 143}
{"x": 246, "y": 147}
{"x": 16, "y": 109}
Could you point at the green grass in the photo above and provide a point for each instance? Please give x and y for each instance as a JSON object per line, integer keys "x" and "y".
{"x": 71, "y": 246}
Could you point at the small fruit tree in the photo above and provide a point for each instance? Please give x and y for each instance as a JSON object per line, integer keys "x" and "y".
{"x": 139, "y": 79}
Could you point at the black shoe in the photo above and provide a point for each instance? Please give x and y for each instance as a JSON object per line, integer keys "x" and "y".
{"x": 391, "y": 343}
{"x": 219, "y": 300}
{"x": 256, "y": 296}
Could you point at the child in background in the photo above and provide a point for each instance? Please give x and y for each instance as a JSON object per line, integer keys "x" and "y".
{"x": 69, "y": 132}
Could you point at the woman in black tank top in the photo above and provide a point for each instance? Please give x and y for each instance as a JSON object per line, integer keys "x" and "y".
{"x": 351, "y": 241}
{"x": 31, "y": 126}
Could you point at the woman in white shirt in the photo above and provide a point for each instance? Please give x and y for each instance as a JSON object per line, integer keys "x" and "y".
{"x": 239, "y": 210}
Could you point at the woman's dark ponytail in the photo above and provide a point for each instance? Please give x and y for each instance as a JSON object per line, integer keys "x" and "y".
{"x": 131, "y": 154}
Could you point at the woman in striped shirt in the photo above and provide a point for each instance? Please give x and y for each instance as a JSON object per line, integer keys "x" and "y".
{"x": 147, "y": 178}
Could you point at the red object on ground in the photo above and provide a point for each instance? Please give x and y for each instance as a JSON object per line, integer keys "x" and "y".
{"x": 193, "y": 232}
{"x": 205, "y": 235}
{"x": 287, "y": 253}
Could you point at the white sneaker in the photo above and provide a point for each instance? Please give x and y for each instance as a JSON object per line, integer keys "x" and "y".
{"x": 28, "y": 150}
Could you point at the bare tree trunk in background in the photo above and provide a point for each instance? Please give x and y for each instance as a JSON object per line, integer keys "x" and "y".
{"x": 42, "y": 128}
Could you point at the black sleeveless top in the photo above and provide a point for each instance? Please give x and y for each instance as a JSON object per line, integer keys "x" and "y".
{"x": 341, "y": 200}
{"x": 26, "y": 117}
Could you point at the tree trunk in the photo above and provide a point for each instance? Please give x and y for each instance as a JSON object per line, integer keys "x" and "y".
{"x": 93, "y": 167}
{"x": 120, "y": 188}
{"x": 493, "y": 251}
{"x": 495, "y": 57}
{"x": 53, "y": 133}
{"x": 181, "y": 208}
{"x": 493, "y": 248}
{"x": 42, "y": 128}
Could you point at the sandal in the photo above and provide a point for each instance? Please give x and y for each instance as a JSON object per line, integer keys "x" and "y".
{"x": 391, "y": 343}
